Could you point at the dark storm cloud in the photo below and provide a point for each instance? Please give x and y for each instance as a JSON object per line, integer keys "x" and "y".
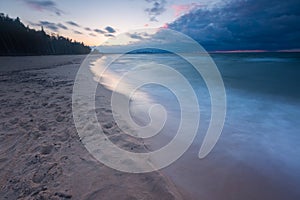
{"x": 48, "y": 25}
{"x": 99, "y": 31}
{"x": 72, "y": 23}
{"x": 110, "y": 29}
{"x": 109, "y": 35}
{"x": 77, "y": 32}
{"x": 62, "y": 26}
{"x": 156, "y": 9}
{"x": 87, "y": 29}
{"x": 138, "y": 36}
{"x": 135, "y": 36}
{"x": 43, "y": 5}
{"x": 244, "y": 24}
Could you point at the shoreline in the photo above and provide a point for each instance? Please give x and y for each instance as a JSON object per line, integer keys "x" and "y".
{"x": 41, "y": 154}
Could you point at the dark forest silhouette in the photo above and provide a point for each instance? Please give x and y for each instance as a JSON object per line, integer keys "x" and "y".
{"x": 16, "y": 39}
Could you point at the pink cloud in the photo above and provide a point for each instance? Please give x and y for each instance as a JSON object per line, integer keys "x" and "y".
{"x": 165, "y": 26}
{"x": 184, "y": 8}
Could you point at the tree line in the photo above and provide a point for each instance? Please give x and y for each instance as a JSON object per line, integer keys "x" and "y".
{"x": 17, "y": 39}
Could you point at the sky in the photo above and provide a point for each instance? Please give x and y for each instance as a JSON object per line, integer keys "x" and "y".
{"x": 227, "y": 25}
{"x": 270, "y": 25}
{"x": 93, "y": 21}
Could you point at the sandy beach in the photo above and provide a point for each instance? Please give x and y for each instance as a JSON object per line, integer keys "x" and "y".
{"x": 41, "y": 156}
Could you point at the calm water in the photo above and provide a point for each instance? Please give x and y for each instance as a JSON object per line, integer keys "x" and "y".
{"x": 258, "y": 153}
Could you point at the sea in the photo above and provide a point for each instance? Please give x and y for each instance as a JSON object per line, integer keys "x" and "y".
{"x": 257, "y": 152}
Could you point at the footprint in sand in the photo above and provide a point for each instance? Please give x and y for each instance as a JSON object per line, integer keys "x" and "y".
{"x": 62, "y": 137}
{"x": 43, "y": 127}
{"x": 49, "y": 171}
{"x": 46, "y": 149}
{"x": 59, "y": 118}
{"x": 108, "y": 125}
